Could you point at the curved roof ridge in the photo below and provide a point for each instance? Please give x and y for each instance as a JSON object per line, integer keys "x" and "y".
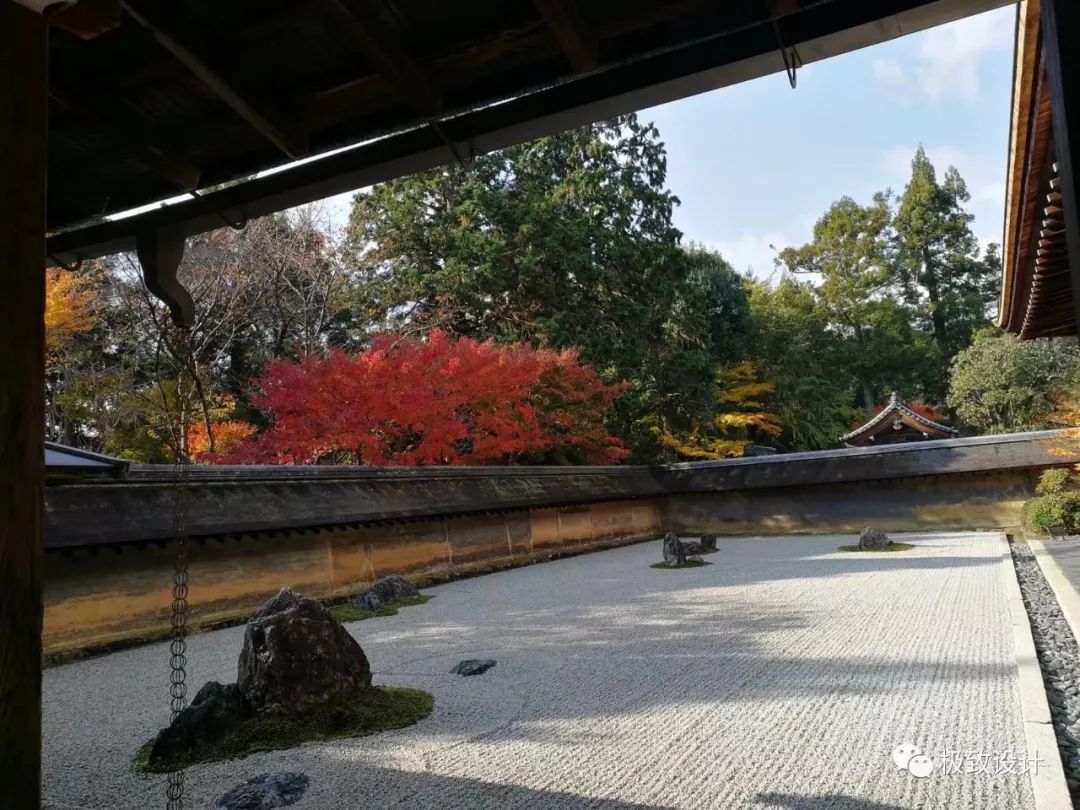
{"x": 896, "y": 406}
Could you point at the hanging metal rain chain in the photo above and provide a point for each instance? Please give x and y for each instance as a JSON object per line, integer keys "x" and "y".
{"x": 174, "y": 790}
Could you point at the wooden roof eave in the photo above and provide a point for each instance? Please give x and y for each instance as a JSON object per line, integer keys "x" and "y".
{"x": 1027, "y": 61}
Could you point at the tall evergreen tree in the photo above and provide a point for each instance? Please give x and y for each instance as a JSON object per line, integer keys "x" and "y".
{"x": 850, "y": 256}
{"x": 941, "y": 273}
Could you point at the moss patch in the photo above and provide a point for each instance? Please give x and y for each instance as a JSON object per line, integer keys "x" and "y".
{"x": 687, "y": 564}
{"x": 890, "y": 547}
{"x": 380, "y": 709}
{"x": 349, "y": 612}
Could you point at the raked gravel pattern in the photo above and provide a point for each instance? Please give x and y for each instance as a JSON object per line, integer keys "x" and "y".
{"x": 781, "y": 676}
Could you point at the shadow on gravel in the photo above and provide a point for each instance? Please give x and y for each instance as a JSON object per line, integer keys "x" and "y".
{"x": 391, "y": 787}
{"x": 831, "y": 801}
{"x": 844, "y": 563}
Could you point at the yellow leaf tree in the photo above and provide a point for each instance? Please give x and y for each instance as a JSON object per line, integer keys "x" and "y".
{"x": 740, "y": 415}
{"x": 1066, "y": 415}
{"x": 68, "y": 303}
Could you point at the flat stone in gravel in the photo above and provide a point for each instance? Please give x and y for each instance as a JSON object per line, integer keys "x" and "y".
{"x": 265, "y": 792}
{"x": 783, "y": 678}
{"x": 473, "y": 666}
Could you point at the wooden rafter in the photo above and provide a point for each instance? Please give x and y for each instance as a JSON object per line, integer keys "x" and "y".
{"x": 276, "y": 131}
{"x": 380, "y": 44}
{"x": 1048, "y": 308}
{"x": 571, "y": 33}
{"x": 161, "y": 161}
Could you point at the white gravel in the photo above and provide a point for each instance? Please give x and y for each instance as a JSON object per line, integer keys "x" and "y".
{"x": 781, "y": 676}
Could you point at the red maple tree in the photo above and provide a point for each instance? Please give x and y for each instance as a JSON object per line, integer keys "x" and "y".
{"x": 436, "y": 401}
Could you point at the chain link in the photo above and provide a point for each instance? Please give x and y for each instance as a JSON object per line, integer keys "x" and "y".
{"x": 174, "y": 790}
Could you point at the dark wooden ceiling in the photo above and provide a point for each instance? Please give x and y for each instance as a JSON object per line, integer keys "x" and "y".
{"x": 150, "y": 98}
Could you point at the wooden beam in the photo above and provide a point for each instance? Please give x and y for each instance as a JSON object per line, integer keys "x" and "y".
{"x": 162, "y": 162}
{"x": 571, "y": 33}
{"x": 1061, "y": 60}
{"x": 87, "y": 19}
{"x": 282, "y": 135}
{"x": 380, "y": 44}
{"x": 24, "y": 105}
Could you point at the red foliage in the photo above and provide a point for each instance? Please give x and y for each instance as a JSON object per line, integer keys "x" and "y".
{"x": 436, "y": 401}
{"x": 921, "y": 407}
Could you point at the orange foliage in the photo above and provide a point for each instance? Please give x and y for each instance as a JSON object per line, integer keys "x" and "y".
{"x": 68, "y": 300}
{"x": 436, "y": 401}
{"x": 227, "y": 435}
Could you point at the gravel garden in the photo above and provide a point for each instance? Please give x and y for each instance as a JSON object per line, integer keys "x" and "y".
{"x": 784, "y": 675}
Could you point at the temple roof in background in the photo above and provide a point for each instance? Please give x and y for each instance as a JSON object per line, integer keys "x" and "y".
{"x": 897, "y": 423}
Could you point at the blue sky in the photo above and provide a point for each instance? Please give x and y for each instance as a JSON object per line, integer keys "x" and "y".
{"x": 756, "y": 164}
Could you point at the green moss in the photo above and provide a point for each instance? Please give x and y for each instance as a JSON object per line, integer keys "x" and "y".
{"x": 687, "y": 564}
{"x": 349, "y": 612}
{"x": 379, "y": 709}
{"x": 890, "y": 547}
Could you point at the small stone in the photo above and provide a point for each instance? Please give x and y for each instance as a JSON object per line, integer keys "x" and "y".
{"x": 369, "y": 601}
{"x": 265, "y": 792}
{"x": 873, "y": 538}
{"x": 473, "y": 666}
{"x": 386, "y": 590}
{"x": 708, "y": 542}
{"x": 674, "y": 549}
{"x": 212, "y": 713}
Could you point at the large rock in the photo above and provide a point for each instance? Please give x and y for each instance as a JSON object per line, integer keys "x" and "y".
{"x": 386, "y": 590}
{"x": 213, "y": 711}
{"x": 296, "y": 655}
{"x": 265, "y": 792}
{"x": 873, "y": 538}
{"x": 674, "y": 549}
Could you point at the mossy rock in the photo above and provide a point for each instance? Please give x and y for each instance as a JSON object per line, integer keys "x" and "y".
{"x": 349, "y": 612}
{"x": 380, "y": 708}
{"x": 687, "y": 564}
{"x": 878, "y": 549}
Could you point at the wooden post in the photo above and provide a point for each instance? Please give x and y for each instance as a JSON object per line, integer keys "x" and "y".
{"x": 1060, "y": 30}
{"x": 23, "y": 119}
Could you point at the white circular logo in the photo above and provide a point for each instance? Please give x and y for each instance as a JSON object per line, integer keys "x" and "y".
{"x": 920, "y": 766}
{"x": 903, "y": 753}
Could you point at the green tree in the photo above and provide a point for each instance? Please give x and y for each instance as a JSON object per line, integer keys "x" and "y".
{"x": 999, "y": 385}
{"x": 944, "y": 279}
{"x": 850, "y": 255}
{"x": 795, "y": 349}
